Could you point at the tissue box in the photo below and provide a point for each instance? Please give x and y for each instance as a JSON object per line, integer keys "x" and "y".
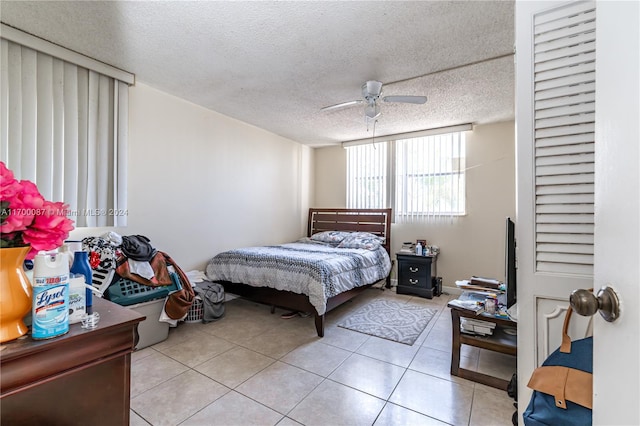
{"x": 151, "y": 331}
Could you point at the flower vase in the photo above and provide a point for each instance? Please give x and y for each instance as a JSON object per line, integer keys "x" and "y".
{"x": 15, "y": 293}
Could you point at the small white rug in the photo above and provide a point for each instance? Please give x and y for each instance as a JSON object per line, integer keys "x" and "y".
{"x": 398, "y": 321}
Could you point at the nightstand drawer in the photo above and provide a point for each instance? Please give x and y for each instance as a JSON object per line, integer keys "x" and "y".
{"x": 414, "y": 274}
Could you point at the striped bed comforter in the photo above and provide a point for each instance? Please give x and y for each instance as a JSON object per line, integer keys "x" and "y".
{"x": 318, "y": 270}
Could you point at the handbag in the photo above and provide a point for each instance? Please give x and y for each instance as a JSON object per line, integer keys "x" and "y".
{"x": 563, "y": 385}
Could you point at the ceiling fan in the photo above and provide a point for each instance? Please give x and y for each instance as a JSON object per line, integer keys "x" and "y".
{"x": 371, "y": 91}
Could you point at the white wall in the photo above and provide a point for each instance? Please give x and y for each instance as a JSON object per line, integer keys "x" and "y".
{"x": 201, "y": 182}
{"x": 470, "y": 245}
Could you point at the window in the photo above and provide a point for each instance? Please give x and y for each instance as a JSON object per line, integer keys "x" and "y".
{"x": 64, "y": 126}
{"x": 420, "y": 177}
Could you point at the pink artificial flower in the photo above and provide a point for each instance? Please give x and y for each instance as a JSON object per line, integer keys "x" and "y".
{"x": 27, "y": 218}
{"x": 8, "y": 184}
{"x": 49, "y": 229}
{"x": 22, "y": 207}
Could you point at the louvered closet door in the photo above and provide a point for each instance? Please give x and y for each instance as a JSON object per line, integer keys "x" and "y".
{"x": 555, "y": 113}
{"x": 564, "y": 111}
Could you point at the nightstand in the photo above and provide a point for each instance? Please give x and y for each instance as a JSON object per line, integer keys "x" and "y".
{"x": 416, "y": 275}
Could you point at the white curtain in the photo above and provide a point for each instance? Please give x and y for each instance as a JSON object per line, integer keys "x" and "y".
{"x": 64, "y": 127}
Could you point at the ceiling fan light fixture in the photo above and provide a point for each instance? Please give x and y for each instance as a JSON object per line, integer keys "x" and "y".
{"x": 372, "y": 110}
{"x": 371, "y": 89}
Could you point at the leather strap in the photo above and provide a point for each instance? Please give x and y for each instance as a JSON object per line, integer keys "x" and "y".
{"x": 565, "y": 347}
{"x": 565, "y": 384}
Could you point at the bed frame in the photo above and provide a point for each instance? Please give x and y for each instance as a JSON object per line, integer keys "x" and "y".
{"x": 374, "y": 221}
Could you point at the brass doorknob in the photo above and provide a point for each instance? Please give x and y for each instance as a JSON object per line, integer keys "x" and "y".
{"x": 585, "y": 303}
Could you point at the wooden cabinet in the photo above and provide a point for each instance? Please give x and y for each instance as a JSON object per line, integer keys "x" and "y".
{"x": 82, "y": 377}
{"x": 416, "y": 275}
{"x": 502, "y": 340}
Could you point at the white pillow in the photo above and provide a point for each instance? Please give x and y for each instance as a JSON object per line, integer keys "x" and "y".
{"x": 333, "y": 237}
{"x": 361, "y": 240}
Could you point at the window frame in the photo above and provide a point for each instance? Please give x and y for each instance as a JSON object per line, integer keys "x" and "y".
{"x": 397, "y": 183}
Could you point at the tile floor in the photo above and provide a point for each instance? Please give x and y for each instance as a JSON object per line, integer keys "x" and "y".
{"x": 254, "y": 368}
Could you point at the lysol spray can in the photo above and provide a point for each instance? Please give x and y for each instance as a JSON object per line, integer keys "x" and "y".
{"x": 50, "y": 309}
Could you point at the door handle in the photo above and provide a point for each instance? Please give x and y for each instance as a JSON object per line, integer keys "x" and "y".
{"x": 585, "y": 303}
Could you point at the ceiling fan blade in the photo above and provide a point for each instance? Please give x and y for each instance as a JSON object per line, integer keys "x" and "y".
{"x": 406, "y": 99}
{"x": 342, "y": 105}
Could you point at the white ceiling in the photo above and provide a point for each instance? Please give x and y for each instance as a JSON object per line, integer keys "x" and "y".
{"x": 276, "y": 64}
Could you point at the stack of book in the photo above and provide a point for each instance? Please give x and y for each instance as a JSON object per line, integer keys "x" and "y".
{"x": 488, "y": 285}
{"x": 475, "y": 326}
{"x": 470, "y": 305}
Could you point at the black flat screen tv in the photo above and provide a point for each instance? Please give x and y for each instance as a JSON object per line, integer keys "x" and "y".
{"x": 510, "y": 263}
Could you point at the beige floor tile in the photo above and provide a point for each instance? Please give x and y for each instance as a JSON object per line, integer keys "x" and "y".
{"x": 443, "y": 321}
{"x": 253, "y": 316}
{"x": 239, "y": 329}
{"x": 177, "y": 399}
{"x": 348, "y": 340}
{"x": 388, "y": 351}
{"x": 394, "y": 415}
{"x": 491, "y": 407}
{"x": 277, "y": 342}
{"x": 437, "y": 363}
{"x": 198, "y": 349}
{"x": 497, "y": 364}
{"x": 264, "y": 381}
{"x": 316, "y": 357}
{"x": 334, "y": 404}
{"x": 152, "y": 371}
{"x": 439, "y": 339}
{"x": 434, "y": 397}
{"x": 136, "y": 420}
{"x": 142, "y": 353}
{"x": 288, "y": 422}
{"x": 234, "y": 366}
{"x": 234, "y": 409}
{"x": 372, "y": 376}
{"x": 280, "y": 386}
{"x": 178, "y": 335}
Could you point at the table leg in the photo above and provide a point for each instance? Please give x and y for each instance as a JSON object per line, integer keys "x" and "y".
{"x": 455, "y": 342}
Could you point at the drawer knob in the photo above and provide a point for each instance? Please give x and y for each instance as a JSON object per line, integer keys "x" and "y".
{"x": 414, "y": 282}
{"x": 412, "y": 269}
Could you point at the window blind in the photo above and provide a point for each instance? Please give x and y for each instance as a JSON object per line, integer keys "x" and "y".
{"x": 367, "y": 176}
{"x": 422, "y": 177}
{"x": 430, "y": 177}
{"x": 64, "y": 127}
{"x": 564, "y": 107}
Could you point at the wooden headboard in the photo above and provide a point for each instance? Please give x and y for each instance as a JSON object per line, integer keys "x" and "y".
{"x": 374, "y": 221}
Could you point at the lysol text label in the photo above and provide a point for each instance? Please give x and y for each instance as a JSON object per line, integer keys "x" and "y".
{"x": 50, "y": 309}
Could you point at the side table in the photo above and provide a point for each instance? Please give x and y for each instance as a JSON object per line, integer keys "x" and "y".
{"x": 416, "y": 274}
{"x": 499, "y": 341}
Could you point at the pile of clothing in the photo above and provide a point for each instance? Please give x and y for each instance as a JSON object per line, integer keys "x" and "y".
{"x": 134, "y": 258}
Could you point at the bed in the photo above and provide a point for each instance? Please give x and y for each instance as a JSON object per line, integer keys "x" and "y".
{"x": 345, "y": 252}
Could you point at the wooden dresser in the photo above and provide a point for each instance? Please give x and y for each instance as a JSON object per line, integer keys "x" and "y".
{"x": 80, "y": 378}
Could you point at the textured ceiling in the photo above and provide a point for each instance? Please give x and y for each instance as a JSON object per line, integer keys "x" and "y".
{"x": 276, "y": 64}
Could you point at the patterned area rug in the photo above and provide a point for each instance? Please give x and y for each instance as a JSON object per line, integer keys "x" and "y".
{"x": 398, "y": 321}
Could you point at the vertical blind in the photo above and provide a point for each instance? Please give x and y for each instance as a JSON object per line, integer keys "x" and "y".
{"x": 430, "y": 177}
{"x": 367, "y": 167}
{"x": 422, "y": 177}
{"x": 564, "y": 107}
{"x": 64, "y": 127}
